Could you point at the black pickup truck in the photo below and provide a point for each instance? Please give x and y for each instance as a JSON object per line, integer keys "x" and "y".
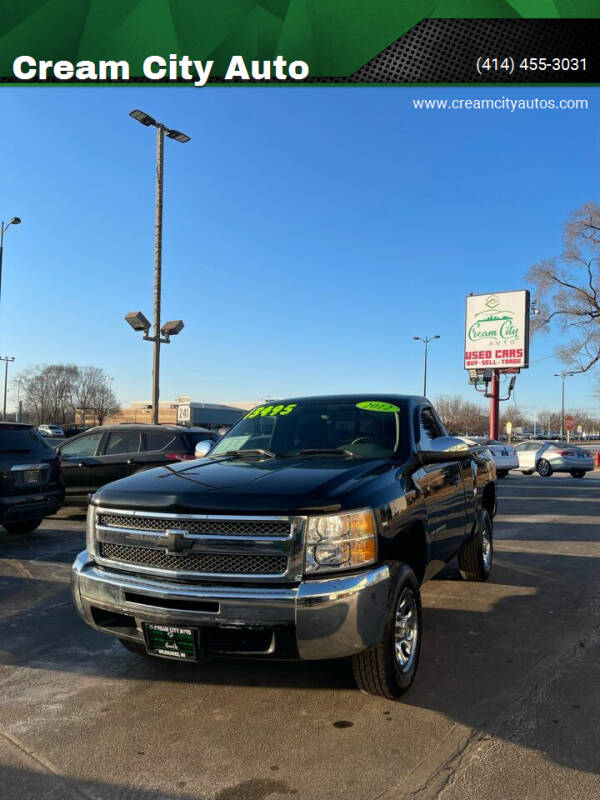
{"x": 305, "y": 533}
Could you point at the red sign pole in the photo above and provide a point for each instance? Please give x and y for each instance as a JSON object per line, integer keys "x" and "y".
{"x": 494, "y": 404}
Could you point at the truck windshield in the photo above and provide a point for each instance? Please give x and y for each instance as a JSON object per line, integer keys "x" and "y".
{"x": 369, "y": 429}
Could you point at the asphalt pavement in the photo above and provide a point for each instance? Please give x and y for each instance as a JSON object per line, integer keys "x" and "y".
{"x": 506, "y": 703}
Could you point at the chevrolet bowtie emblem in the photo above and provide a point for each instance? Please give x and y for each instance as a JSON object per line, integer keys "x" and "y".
{"x": 177, "y": 540}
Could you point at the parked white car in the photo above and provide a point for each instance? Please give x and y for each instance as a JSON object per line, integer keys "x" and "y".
{"x": 549, "y": 457}
{"x": 504, "y": 454}
{"x": 51, "y": 430}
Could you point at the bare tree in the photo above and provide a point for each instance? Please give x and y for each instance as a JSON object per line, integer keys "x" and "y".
{"x": 462, "y": 417}
{"x": 104, "y": 403}
{"x": 54, "y": 393}
{"x": 568, "y": 287}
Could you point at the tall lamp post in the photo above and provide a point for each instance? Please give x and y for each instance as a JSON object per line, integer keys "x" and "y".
{"x": 3, "y": 229}
{"x": 6, "y": 359}
{"x": 562, "y": 375}
{"x": 174, "y": 326}
{"x": 425, "y": 341}
{"x": 20, "y": 383}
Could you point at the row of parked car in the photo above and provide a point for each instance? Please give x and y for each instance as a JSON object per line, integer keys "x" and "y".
{"x": 36, "y": 478}
{"x": 537, "y": 456}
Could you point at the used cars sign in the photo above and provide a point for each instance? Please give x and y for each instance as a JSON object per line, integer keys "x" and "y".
{"x": 497, "y": 330}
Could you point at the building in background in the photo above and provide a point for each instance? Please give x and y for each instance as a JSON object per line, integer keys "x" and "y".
{"x": 184, "y": 411}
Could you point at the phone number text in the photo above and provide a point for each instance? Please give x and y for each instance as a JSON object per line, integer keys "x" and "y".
{"x": 507, "y": 64}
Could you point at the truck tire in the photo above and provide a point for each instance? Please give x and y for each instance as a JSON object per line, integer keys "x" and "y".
{"x": 389, "y": 667}
{"x": 526, "y": 472}
{"x": 27, "y": 526}
{"x": 135, "y": 647}
{"x": 475, "y": 558}
{"x": 578, "y": 473}
{"x": 501, "y": 473}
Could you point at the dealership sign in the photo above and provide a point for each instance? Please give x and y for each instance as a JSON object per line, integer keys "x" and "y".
{"x": 497, "y": 331}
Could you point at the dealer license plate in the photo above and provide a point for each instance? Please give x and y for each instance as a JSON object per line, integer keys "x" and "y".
{"x": 31, "y": 477}
{"x": 169, "y": 641}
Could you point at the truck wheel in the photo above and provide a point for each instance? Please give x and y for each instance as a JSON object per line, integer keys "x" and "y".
{"x": 135, "y": 647}
{"x": 475, "y": 558}
{"x": 389, "y": 667}
{"x": 578, "y": 473}
{"x": 544, "y": 468}
{"x": 501, "y": 473}
{"x": 526, "y": 472}
{"x": 27, "y": 526}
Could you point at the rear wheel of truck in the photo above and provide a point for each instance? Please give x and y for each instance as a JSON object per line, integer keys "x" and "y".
{"x": 135, "y": 647}
{"x": 475, "y": 558}
{"x": 27, "y": 526}
{"x": 501, "y": 473}
{"x": 578, "y": 473}
{"x": 389, "y": 667}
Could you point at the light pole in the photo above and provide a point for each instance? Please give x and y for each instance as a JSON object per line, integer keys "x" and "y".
{"x": 161, "y": 130}
{"x": 562, "y": 375}
{"x": 20, "y": 383}
{"x": 425, "y": 341}
{"x": 3, "y": 229}
{"x": 6, "y": 359}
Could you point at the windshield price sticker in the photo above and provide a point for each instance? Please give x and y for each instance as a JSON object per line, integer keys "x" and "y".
{"x": 271, "y": 411}
{"x": 375, "y": 405}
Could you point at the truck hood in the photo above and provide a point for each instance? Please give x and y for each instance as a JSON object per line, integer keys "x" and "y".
{"x": 276, "y": 485}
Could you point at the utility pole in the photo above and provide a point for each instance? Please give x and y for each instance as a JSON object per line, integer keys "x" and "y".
{"x": 6, "y": 359}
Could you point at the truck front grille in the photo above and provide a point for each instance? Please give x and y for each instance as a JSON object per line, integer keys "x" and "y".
{"x": 208, "y": 527}
{"x": 204, "y": 563}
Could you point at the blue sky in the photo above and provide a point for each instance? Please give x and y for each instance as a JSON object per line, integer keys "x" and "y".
{"x": 310, "y": 233}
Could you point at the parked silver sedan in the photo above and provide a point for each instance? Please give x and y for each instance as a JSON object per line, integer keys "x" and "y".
{"x": 503, "y": 454}
{"x": 549, "y": 457}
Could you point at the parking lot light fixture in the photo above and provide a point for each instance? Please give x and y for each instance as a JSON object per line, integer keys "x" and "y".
{"x": 138, "y": 321}
{"x": 425, "y": 341}
{"x": 178, "y": 136}
{"x": 3, "y": 229}
{"x": 563, "y": 375}
{"x": 172, "y": 328}
{"x": 142, "y": 117}
{"x": 6, "y": 359}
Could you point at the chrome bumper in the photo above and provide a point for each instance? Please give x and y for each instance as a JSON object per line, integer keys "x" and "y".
{"x": 330, "y": 617}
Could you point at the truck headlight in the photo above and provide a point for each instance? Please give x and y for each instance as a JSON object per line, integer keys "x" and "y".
{"x": 340, "y": 541}
{"x": 89, "y": 529}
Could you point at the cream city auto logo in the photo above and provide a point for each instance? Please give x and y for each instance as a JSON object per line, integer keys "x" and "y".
{"x": 494, "y": 323}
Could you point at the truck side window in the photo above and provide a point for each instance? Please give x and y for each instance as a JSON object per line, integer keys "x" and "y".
{"x": 430, "y": 428}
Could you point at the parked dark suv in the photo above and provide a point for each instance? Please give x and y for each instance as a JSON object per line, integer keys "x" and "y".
{"x": 105, "y": 454}
{"x": 31, "y": 486}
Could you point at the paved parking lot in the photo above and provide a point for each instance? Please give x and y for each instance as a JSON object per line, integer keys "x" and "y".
{"x": 506, "y": 703}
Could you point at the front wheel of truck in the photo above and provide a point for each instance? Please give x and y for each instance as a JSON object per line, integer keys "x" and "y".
{"x": 475, "y": 558}
{"x": 389, "y": 667}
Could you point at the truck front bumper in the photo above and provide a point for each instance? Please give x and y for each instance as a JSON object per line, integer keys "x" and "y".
{"x": 326, "y": 618}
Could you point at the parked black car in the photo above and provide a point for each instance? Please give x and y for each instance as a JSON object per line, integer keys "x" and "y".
{"x": 31, "y": 486}
{"x": 107, "y": 453}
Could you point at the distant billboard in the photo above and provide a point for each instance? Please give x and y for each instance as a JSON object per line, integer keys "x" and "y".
{"x": 497, "y": 330}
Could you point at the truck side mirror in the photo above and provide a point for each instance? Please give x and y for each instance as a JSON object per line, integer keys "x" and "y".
{"x": 203, "y": 448}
